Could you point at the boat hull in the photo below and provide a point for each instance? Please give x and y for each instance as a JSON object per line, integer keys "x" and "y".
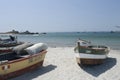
{"x": 84, "y": 61}
{"x": 90, "y": 54}
{"x": 18, "y": 67}
{"x": 90, "y": 59}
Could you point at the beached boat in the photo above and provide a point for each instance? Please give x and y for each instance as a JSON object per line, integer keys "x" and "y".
{"x": 90, "y": 54}
{"x": 9, "y": 42}
{"x": 6, "y": 45}
{"x": 24, "y": 58}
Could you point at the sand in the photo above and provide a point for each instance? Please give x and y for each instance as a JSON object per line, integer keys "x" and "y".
{"x": 60, "y": 64}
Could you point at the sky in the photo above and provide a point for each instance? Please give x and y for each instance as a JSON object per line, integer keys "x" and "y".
{"x": 59, "y": 15}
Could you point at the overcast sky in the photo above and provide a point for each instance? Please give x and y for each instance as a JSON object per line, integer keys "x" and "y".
{"x": 59, "y": 15}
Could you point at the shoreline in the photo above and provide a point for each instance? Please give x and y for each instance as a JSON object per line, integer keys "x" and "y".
{"x": 69, "y": 39}
{"x": 60, "y": 64}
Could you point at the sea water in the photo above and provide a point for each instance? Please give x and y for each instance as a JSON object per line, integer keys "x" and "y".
{"x": 69, "y": 39}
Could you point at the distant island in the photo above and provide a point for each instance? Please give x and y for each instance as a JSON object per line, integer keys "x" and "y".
{"x": 17, "y": 32}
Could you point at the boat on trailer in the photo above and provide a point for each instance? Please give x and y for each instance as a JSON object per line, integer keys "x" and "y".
{"x": 88, "y": 54}
{"x": 22, "y": 59}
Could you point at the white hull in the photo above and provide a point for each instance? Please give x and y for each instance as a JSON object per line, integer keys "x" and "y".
{"x": 90, "y": 56}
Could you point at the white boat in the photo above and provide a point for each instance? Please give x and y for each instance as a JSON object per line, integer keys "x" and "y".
{"x": 90, "y": 54}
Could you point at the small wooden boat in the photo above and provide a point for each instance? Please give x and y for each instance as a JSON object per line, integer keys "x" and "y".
{"x": 6, "y": 45}
{"x": 9, "y": 42}
{"x": 24, "y": 58}
{"x": 90, "y": 54}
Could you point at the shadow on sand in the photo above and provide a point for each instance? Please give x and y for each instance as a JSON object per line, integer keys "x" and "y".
{"x": 96, "y": 70}
{"x": 34, "y": 74}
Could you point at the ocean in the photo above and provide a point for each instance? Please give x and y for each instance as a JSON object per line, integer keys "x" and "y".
{"x": 69, "y": 39}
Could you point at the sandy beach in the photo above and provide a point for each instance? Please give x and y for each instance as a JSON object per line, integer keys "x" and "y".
{"x": 60, "y": 64}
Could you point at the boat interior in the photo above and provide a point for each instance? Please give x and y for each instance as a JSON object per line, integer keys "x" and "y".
{"x": 17, "y": 53}
{"x": 87, "y": 44}
{"x": 97, "y": 47}
{"x": 12, "y": 55}
{"x": 22, "y": 51}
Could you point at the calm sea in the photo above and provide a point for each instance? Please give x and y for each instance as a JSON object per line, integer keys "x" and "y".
{"x": 68, "y": 39}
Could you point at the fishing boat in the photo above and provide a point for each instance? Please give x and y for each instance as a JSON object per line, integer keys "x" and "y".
{"x": 22, "y": 59}
{"x": 9, "y": 42}
{"x": 88, "y": 54}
